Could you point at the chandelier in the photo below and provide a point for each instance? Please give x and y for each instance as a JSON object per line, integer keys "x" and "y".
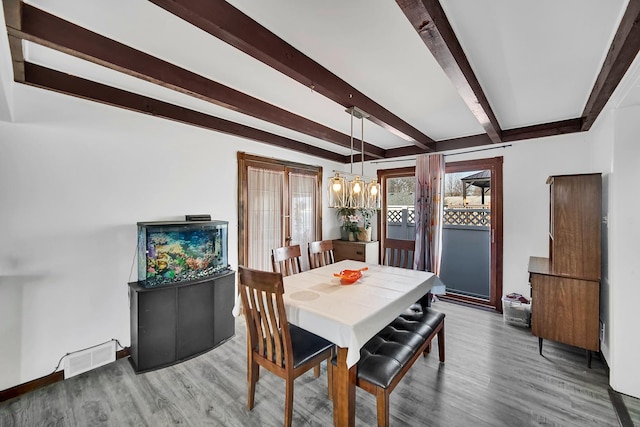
{"x": 357, "y": 193}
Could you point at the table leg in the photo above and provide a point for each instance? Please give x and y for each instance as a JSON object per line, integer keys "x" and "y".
{"x": 344, "y": 392}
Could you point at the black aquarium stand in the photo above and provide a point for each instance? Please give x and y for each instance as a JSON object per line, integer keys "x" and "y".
{"x": 173, "y": 323}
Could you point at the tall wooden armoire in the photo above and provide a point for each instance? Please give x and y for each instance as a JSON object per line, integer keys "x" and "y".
{"x": 565, "y": 288}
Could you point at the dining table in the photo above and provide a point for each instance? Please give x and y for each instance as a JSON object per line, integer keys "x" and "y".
{"x": 349, "y": 315}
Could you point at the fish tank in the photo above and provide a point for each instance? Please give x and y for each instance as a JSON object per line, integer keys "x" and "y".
{"x": 175, "y": 252}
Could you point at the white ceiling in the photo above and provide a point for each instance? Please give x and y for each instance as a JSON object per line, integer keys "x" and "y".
{"x": 536, "y": 61}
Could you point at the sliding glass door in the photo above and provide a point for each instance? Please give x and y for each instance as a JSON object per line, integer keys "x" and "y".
{"x": 471, "y": 264}
{"x": 472, "y": 226}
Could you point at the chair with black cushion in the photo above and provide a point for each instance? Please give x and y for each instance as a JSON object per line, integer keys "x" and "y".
{"x": 273, "y": 343}
{"x": 321, "y": 253}
{"x": 286, "y": 260}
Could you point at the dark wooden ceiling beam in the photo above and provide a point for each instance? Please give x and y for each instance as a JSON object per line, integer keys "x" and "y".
{"x": 444, "y": 145}
{"x": 224, "y": 21}
{"x": 17, "y": 58}
{"x": 43, "y": 28}
{"x": 623, "y": 50}
{"x": 540, "y": 131}
{"x": 429, "y": 20}
{"x": 472, "y": 141}
{"x": 12, "y": 13}
{"x": 43, "y": 77}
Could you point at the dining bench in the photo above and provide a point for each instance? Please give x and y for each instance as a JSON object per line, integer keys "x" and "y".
{"x": 386, "y": 358}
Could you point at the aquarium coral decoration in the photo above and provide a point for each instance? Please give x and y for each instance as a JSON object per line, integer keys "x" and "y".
{"x": 175, "y": 254}
{"x": 172, "y": 258}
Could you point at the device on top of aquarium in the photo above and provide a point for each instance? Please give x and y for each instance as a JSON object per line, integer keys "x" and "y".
{"x": 173, "y": 252}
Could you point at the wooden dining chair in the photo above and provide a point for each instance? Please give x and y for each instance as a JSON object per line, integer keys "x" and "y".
{"x": 286, "y": 260}
{"x": 273, "y": 343}
{"x": 399, "y": 253}
{"x": 321, "y": 253}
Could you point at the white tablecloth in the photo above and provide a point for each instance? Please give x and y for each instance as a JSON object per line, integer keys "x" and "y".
{"x": 349, "y": 315}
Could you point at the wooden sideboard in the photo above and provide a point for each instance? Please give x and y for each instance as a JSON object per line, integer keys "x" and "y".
{"x": 565, "y": 288}
{"x": 358, "y": 251}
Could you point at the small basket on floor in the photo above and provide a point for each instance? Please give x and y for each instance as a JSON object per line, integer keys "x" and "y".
{"x": 516, "y": 313}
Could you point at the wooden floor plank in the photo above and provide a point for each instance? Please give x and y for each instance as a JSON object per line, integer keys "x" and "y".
{"x": 493, "y": 376}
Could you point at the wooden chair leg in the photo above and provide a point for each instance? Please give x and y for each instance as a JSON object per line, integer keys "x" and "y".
{"x": 427, "y": 350}
{"x": 288, "y": 403}
{"x": 253, "y": 374}
{"x": 316, "y": 371}
{"x": 330, "y": 376}
{"x": 382, "y": 407}
{"x": 441, "y": 343}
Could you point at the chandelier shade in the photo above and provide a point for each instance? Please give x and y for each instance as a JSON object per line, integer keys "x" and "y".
{"x": 356, "y": 193}
{"x": 337, "y": 191}
{"x": 372, "y": 195}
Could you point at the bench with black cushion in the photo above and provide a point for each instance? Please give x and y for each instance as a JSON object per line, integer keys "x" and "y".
{"x": 424, "y": 321}
{"x": 386, "y": 357}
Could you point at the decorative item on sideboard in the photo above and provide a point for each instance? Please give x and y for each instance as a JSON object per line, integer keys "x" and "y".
{"x": 350, "y": 228}
{"x": 365, "y": 231}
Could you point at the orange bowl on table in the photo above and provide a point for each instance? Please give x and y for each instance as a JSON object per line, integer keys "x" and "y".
{"x": 348, "y": 277}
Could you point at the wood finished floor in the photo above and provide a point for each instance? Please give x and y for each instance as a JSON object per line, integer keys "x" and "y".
{"x": 493, "y": 376}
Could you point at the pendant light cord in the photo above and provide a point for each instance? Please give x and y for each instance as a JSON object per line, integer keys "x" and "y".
{"x": 352, "y": 140}
{"x": 362, "y": 146}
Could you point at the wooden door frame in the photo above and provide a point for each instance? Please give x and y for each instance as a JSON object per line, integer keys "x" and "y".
{"x": 244, "y": 161}
{"x": 494, "y": 164}
{"x": 383, "y": 176}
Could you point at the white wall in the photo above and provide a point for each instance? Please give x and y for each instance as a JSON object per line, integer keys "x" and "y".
{"x": 527, "y": 165}
{"x": 601, "y": 137}
{"x": 75, "y": 177}
{"x": 624, "y": 235}
{"x": 615, "y": 148}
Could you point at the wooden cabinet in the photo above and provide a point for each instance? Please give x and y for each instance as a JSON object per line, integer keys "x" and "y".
{"x": 173, "y": 323}
{"x": 564, "y": 309}
{"x": 358, "y": 251}
{"x": 565, "y": 288}
{"x": 574, "y": 225}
